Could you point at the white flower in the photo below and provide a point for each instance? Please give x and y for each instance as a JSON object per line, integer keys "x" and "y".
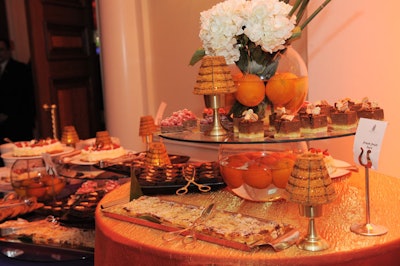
{"x": 264, "y": 22}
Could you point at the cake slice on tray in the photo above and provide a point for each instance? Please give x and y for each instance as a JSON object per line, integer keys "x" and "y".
{"x": 103, "y": 148}
{"x": 312, "y": 121}
{"x": 343, "y": 118}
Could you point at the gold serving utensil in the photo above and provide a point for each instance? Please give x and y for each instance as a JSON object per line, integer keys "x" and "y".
{"x": 190, "y": 180}
{"x": 189, "y": 233}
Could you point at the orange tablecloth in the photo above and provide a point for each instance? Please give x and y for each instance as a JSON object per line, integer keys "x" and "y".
{"x": 123, "y": 243}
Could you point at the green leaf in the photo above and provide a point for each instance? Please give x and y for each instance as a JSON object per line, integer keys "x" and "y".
{"x": 197, "y": 56}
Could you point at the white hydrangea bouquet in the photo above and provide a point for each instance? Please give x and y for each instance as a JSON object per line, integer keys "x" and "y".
{"x": 252, "y": 34}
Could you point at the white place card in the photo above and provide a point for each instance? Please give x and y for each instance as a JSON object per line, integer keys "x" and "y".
{"x": 368, "y": 141}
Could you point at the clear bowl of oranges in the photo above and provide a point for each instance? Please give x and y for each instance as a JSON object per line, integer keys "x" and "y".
{"x": 258, "y": 172}
{"x": 29, "y": 178}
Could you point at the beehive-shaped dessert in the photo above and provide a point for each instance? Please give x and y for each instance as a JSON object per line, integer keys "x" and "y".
{"x": 103, "y": 138}
{"x": 214, "y": 77}
{"x": 157, "y": 154}
{"x": 69, "y": 135}
{"x": 309, "y": 182}
{"x": 147, "y": 126}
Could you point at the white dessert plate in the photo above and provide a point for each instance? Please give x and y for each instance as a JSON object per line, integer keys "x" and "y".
{"x": 340, "y": 170}
{"x": 77, "y": 160}
{"x": 9, "y": 155}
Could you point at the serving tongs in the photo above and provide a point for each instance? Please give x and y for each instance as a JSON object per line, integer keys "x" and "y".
{"x": 188, "y": 234}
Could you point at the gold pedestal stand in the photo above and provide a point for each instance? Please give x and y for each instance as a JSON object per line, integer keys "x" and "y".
{"x": 312, "y": 241}
{"x": 215, "y": 101}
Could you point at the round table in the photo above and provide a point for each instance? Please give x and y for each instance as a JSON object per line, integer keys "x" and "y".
{"x": 124, "y": 243}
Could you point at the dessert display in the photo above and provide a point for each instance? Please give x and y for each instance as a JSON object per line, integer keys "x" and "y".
{"x": 225, "y": 228}
{"x": 78, "y": 209}
{"x": 103, "y": 148}
{"x": 37, "y": 147}
{"x": 367, "y": 109}
{"x": 343, "y": 118}
{"x": 167, "y": 179}
{"x": 179, "y": 121}
{"x": 312, "y": 121}
{"x": 250, "y": 126}
{"x": 309, "y": 183}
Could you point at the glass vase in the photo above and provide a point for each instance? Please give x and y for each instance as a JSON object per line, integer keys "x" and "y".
{"x": 288, "y": 88}
{"x": 258, "y": 172}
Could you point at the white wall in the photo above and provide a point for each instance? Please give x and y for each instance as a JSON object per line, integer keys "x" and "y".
{"x": 353, "y": 49}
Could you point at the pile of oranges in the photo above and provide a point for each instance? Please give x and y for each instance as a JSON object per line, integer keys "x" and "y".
{"x": 284, "y": 89}
{"x": 257, "y": 169}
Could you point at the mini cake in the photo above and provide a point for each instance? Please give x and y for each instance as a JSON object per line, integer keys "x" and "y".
{"x": 326, "y": 109}
{"x": 369, "y": 110}
{"x": 250, "y": 126}
{"x": 102, "y": 149}
{"x": 313, "y": 122}
{"x": 287, "y": 126}
{"x": 179, "y": 121}
{"x": 342, "y": 117}
{"x": 37, "y": 147}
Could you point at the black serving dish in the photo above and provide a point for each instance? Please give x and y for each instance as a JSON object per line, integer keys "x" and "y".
{"x": 168, "y": 179}
{"x": 43, "y": 253}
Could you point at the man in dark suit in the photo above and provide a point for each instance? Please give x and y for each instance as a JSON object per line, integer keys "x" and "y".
{"x": 17, "y": 105}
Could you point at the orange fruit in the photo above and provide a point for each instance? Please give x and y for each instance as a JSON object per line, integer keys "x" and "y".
{"x": 281, "y": 88}
{"x": 257, "y": 176}
{"x": 250, "y": 90}
{"x": 301, "y": 88}
{"x": 281, "y": 172}
{"x": 232, "y": 177}
{"x": 237, "y": 160}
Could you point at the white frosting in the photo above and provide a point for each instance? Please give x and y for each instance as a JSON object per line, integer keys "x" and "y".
{"x": 313, "y": 110}
{"x": 36, "y": 148}
{"x": 249, "y": 115}
{"x": 91, "y": 154}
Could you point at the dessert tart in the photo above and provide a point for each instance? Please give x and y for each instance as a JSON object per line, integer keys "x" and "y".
{"x": 226, "y": 228}
{"x": 102, "y": 149}
{"x": 37, "y": 147}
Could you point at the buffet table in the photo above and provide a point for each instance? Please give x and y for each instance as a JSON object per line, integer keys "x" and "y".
{"x": 124, "y": 243}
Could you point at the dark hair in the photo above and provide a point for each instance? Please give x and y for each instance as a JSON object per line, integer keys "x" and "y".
{"x": 6, "y": 42}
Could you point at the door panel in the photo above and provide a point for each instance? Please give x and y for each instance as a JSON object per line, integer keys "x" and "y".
{"x": 65, "y": 66}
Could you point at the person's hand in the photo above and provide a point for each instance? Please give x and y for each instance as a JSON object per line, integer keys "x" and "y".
{"x": 3, "y": 118}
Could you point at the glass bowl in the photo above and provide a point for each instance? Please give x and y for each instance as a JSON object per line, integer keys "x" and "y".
{"x": 29, "y": 178}
{"x": 258, "y": 172}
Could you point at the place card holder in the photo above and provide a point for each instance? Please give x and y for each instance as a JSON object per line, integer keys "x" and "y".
{"x": 367, "y": 228}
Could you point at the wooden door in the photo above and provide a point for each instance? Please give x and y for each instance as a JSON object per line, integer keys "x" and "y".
{"x": 65, "y": 66}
